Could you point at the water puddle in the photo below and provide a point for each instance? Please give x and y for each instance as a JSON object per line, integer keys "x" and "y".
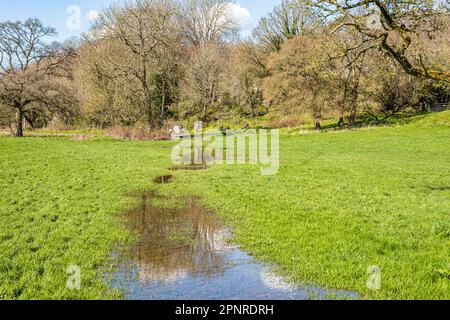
{"x": 163, "y": 179}
{"x": 189, "y": 167}
{"x": 185, "y": 253}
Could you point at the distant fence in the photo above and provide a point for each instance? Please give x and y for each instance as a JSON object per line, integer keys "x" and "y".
{"x": 438, "y": 107}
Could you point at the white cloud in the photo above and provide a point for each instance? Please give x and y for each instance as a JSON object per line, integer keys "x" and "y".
{"x": 92, "y": 15}
{"x": 242, "y": 15}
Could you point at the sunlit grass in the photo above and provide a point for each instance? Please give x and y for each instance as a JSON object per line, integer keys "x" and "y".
{"x": 340, "y": 203}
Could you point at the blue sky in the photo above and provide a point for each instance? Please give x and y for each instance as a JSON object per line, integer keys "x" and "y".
{"x": 57, "y": 13}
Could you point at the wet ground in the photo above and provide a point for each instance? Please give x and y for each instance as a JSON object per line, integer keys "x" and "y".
{"x": 163, "y": 179}
{"x": 189, "y": 167}
{"x": 185, "y": 253}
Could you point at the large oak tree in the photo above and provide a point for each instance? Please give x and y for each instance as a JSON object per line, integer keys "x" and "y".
{"x": 395, "y": 27}
{"x": 34, "y": 72}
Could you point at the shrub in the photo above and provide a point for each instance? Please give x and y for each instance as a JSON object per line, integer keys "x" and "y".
{"x": 138, "y": 133}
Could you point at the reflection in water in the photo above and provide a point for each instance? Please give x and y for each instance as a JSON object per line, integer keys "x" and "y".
{"x": 175, "y": 242}
{"x": 163, "y": 179}
{"x": 274, "y": 281}
{"x": 184, "y": 254}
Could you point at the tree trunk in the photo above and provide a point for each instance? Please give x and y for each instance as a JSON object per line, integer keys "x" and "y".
{"x": 352, "y": 119}
{"x": 317, "y": 112}
{"x": 19, "y": 123}
{"x": 147, "y": 95}
{"x": 163, "y": 104}
{"x": 150, "y": 122}
{"x": 318, "y": 125}
{"x": 205, "y": 113}
{"x": 150, "y": 115}
{"x": 354, "y": 100}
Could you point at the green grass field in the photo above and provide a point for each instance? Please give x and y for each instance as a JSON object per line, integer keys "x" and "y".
{"x": 342, "y": 201}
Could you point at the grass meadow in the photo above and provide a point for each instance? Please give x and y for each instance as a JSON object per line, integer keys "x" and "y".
{"x": 342, "y": 201}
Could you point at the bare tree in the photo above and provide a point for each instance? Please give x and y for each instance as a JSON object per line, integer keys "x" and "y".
{"x": 203, "y": 79}
{"x": 110, "y": 92}
{"x": 302, "y": 78}
{"x": 391, "y": 26}
{"x": 144, "y": 28}
{"x": 167, "y": 77}
{"x": 207, "y": 21}
{"x": 287, "y": 20}
{"x": 33, "y": 73}
{"x": 254, "y": 54}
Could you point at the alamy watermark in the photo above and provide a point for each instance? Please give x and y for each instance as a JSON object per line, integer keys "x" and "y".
{"x": 74, "y": 280}
{"x": 75, "y": 17}
{"x": 374, "y": 280}
{"x": 254, "y": 147}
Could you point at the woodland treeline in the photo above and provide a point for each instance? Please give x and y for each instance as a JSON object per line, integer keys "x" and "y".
{"x": 156, "y": 62}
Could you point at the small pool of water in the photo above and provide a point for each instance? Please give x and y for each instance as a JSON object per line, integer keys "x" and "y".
{"x": 185, "y": 254}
